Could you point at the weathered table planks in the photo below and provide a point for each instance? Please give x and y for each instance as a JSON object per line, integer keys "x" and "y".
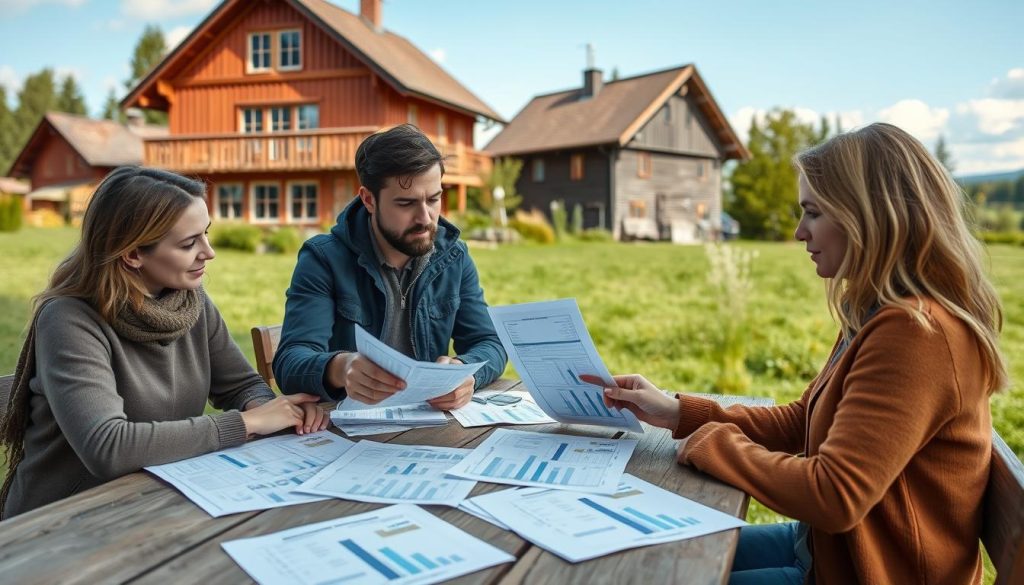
{"x": 138, "y": 529}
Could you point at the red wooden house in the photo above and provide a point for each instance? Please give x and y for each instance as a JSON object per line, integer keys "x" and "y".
{"x": 267, "y": 100}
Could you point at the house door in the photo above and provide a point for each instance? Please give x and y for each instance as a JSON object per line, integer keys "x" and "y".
{"x": 662, "y": 216}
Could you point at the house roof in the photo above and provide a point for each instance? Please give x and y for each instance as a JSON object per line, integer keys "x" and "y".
{"x": 620, "y": 109}
{"x": 396, "y": 60}
{"x": 101, "y": 143}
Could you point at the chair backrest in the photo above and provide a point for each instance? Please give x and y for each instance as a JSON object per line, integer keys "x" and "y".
{"x": 6, "y": 383}
{"x": 264, "y": 345}
{"x": 1002, "y": 528}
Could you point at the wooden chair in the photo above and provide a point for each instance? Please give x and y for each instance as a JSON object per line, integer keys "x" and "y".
{"x": 264, "y": 344}
{"x": 1002, "y": 529}
{"x": 6, "y": 383}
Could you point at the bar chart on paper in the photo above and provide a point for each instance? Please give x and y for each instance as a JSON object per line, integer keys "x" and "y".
{"x": 398, "y": 544}
{"x": 579, "y": 526}
{"x": 550, "y": 347}
{"x": 387, "y": 473}
{"x": 548, "y": 460}
{"x": 255, "y": 476}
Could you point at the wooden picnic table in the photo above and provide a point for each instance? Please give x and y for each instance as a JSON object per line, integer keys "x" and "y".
{"x": 139, "y": 529}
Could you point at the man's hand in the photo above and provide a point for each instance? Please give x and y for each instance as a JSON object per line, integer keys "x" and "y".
{"x": 456, "y": 398}
{"x": 363, "y": 380}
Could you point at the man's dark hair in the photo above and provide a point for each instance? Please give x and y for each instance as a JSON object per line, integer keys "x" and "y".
{"x": 402, "y": 152}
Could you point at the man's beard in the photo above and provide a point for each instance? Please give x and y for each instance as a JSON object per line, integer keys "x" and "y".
{"x": 409, "y": 248}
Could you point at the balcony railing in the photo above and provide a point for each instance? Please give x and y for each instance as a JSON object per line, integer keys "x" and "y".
{"x": 311, "y": 150}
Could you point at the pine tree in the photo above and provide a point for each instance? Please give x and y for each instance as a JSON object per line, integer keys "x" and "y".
{"x": 7, "y": 134}
{"x": 70, "y": 98}
{"x": 112, "y": 108}
{"x": 763, "y": 194}
{"x": 37, "y": 96}
{"x": 149, "y": 51}
{"x": 615, "y": 73}
{"x": 942, "y": 153}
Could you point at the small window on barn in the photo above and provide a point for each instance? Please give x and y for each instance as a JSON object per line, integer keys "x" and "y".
{"x": 413, "y": 115}
{"x": 666, "y": 114}
{"x": 537, "y": 170}
{"x": 638, "y": 208}
{"x": 229, "y": 201}
{"x": 576, "y": 167}
{"x": 290, "y": 43}
{"x": 442, "y": 128}
{"x": 259, "y": 53}
{"x": 252, "y": 120}
{"x": 644, "y": 165}
{"x": 702, "y": 170}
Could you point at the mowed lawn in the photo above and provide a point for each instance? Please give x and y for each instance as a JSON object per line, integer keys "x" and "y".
{"x": 649, "y": 307}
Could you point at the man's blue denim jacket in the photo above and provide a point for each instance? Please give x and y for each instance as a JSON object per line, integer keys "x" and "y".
{"x": 337, "y": 283}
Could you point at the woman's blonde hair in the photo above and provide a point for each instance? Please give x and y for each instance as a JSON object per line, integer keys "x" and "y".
{"x": 132, "y": 208}
{"x": 908, "y": 237}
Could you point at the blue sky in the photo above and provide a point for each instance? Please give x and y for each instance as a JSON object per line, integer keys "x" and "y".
{"x": 955, "y": 68}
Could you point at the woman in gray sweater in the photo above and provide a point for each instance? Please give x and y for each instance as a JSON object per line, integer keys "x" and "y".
{"x": 125, "y": 350}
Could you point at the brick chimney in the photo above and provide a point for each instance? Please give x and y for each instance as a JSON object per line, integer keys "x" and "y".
{"x": 370, "y": 10}
{"x": 593, "y": 81}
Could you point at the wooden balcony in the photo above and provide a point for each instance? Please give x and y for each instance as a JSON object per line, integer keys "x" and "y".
{"x": 311, "y": 150}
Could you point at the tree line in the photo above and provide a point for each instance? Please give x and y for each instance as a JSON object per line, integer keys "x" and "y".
{"x": 45, "y": 91}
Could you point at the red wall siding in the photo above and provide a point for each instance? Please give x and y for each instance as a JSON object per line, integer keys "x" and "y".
{"x": 59, "y": 163}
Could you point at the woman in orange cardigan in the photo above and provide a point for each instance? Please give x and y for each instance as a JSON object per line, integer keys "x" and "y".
{"x": 884, "y": 459}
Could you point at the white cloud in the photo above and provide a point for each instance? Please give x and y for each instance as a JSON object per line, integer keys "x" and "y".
{"x": 438, "y": 55}
{"x": 1009, "y": 87}
{"x": 917, "y": 118}
{"x": 11, "y": 81}
{"x": 164, "y": 9}
{"x": 974, "y": 158}
{"x": 15, "y": 6}
{"x": 174, "y": 36}
{"x": 993, "y": 116}
{"x": 740, "y": 121}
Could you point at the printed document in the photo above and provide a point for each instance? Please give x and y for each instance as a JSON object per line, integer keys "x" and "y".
{"x": 550, "y": 347}
{"x": 578, "y": 526}
{"x": 388, "y": 473}
{"x": 400, "y": 544}
{"x": 524, "y": 412}
{"x": 423, "y": 380}
{"x": 546, "y": 460}
{"x": 255, "y": 476}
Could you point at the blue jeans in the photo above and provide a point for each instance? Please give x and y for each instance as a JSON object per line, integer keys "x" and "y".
{"x": 767, "y": 555}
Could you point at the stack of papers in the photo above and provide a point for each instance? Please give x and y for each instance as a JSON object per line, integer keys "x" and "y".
{"x": 524, "y": 412}
{"x": 387, "y": 473}
{"x": 256, "y": 476}
{"x": 398, "y": 544}
{"x": 389, "y": 419}
{"x": 578, "y": 526}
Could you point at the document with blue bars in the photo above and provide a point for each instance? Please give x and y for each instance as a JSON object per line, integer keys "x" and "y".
{"x": 550, "y": 347}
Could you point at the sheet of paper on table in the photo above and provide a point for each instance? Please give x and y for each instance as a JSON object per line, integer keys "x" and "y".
{"x": 578, "y": 526}
{"x": 389, "y": 473}
{"x": 398, "y": 544}
{"x": 424, "y": 380}
{"x": 550, "y": 347}
{"x": 565, "y": 462}
{"x": 256, "y": 476}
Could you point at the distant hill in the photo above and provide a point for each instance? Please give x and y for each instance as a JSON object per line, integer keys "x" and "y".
{"x": 990, "y": 177}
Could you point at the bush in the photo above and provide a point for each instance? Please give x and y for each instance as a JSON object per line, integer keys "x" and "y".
{"x": 286, "y": 240}
{"x": 533, "y": 226}
{"x": 1013, "y": 238}
{"x": 469, "y": 222}
{"x": 10, "y": 214}
{"x": 595, "y": 235}
{"x": 246, "y": 238}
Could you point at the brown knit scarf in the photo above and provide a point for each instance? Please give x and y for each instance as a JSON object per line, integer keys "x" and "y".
{"x": 160, "y": 320}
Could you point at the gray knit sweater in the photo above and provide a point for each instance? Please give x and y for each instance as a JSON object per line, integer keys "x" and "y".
{"x": 103, "y": 406}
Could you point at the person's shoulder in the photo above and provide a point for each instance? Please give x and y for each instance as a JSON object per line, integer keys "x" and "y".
{"x": 939, "y": 324}
{"x": 62, "y": 315}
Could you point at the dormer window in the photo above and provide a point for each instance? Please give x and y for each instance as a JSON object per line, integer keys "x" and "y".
{"x": 259, "y": 53}
{"x": 290, "y": 43}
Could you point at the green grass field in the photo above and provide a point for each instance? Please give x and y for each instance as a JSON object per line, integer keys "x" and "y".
{"x": 648, "y": 306}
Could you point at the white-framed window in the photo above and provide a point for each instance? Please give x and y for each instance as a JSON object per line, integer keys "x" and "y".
{"x": 289, "y": 44}
{"x": 281, "y": 119}
{"x": 302, "y": 201}
{"x": 258, "y": 52}
{"x": 252, "y": 120}
{"x": 266, "y": 202}
{"x": 537, "y": 170}
{"x": 413, "y": 115}
{"x": 442, "y": 128}
{"x": 308, "y": 116}
{"x": 229, "y": 201}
